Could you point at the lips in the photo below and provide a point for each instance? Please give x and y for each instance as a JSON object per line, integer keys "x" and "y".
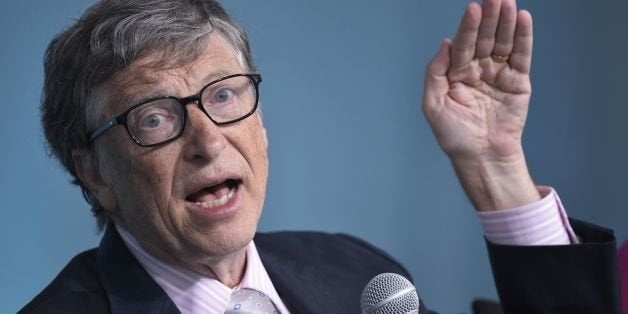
{"x": 214, "y": 196}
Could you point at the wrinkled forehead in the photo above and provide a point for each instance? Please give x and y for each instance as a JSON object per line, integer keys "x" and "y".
{"x": 155, "y": 76}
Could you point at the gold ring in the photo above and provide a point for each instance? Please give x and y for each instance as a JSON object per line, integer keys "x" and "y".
{"x": 500, "y": 59}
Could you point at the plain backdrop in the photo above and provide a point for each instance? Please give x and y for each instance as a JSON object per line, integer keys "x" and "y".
{"x": 350, "y": 150}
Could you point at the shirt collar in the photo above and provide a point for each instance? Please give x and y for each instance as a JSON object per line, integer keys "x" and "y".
{"x": 195, "y": 293}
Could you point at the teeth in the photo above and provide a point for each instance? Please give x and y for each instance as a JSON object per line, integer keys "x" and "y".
{"x": 218, "y": 202}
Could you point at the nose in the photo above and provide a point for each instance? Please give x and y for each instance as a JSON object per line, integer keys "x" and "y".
{"x": 203, "y": 139}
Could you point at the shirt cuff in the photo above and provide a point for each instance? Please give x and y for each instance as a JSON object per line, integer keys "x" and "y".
{"x": 543, "y": 222}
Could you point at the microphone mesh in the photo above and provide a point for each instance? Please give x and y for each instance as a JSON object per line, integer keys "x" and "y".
{"x": 384, "y": 286}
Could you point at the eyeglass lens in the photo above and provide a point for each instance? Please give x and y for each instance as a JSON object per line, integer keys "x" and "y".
{"x": 163, "y": 119}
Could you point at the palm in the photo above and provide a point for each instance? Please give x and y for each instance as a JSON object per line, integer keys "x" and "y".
{"x": 477, "y": 106}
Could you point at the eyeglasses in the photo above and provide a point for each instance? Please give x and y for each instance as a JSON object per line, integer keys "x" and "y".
{"x": 162, "y": 120}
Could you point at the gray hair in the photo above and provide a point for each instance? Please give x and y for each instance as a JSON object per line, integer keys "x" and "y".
{"x": 106, "y": 40}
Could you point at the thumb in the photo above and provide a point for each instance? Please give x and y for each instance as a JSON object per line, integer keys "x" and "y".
{"x": 436, "y": 84}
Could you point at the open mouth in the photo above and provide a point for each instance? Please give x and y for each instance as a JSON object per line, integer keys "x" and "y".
{"x": 216, "y": 195}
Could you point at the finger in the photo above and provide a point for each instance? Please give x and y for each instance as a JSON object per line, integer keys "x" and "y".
{"x": 488, "y": 26}
{"x": 521, "y": 57}
{"x": 436, "y": 82}
{"x": 463, "y": 46}
{"x": 505, "y": 28}
{"x": 440, "y": 63}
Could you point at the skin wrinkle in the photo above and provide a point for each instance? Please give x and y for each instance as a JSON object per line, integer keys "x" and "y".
{"x": 149, "y": 184}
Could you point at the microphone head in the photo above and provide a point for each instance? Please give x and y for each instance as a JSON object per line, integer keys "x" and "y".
{"x": 389, "y": 293}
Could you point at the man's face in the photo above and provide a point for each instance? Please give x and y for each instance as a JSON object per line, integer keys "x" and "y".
{"x": 200, "y": 197}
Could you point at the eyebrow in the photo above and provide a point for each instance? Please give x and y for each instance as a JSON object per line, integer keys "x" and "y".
{"x": 127, "y": 101}
{"x": 212, "y": 76}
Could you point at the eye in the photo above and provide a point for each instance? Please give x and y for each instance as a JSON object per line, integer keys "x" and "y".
{"x": 151, "y": 118}
{"x": 152, "y": 121}
{"x": 223, "y": 95}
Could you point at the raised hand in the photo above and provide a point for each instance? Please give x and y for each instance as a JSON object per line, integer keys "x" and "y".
{"x": 477, "y": 92}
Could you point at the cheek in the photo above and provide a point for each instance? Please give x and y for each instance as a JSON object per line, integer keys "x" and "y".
{"x": 142, "y": 179}
{"x": 249, "y": 143}
{"x": 258, "y": 152}
{"x": 260, "y": 166}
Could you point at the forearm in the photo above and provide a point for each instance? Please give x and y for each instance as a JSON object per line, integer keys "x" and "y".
{"x": 496, "y": 183}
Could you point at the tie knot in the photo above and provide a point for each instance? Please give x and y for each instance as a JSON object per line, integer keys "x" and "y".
{"x": 249, "y": 301}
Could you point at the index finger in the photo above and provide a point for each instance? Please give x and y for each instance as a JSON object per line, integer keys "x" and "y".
{"x": 463, "y": 46}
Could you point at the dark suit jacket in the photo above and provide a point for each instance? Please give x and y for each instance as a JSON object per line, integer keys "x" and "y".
{"x": 313, "y": 273}
{"x": 568, "y": 279}
{"x": 323, "y": 273}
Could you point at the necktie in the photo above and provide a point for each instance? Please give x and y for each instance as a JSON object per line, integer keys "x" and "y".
{"x": 249, "y": 301}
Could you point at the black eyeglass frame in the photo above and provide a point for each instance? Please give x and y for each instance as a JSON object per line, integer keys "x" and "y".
{"x": 196, "y": 98}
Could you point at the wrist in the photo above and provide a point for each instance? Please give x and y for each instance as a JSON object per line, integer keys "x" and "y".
{"x": 496, "y": 183}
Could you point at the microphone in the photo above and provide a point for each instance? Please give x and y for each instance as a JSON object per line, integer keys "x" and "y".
{"x": 390, "y": 293}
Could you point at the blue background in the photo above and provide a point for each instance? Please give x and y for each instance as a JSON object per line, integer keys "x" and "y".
{"x": 350, "y": 150}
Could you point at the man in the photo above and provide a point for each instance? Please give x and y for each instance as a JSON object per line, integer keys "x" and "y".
{"x": 152, "y": 107}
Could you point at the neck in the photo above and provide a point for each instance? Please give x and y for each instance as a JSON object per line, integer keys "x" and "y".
{"x": 229, "y": 270}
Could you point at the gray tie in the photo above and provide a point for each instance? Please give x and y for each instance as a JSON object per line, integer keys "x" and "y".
{"x": 249, "y": 301}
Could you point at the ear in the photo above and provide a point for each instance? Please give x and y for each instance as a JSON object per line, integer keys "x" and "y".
{"x": 265, "y": 138}
{"x": 88, "y": 172}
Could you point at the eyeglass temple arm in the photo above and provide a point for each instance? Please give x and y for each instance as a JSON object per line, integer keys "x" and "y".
{"x": 108, "y": 125}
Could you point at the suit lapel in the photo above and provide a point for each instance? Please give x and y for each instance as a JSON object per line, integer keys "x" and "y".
{"x": 298, "y": 284}
{"x": 130, "y": 289}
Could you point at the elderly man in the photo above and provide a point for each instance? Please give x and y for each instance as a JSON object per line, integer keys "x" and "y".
{"x": 152, "y": 106}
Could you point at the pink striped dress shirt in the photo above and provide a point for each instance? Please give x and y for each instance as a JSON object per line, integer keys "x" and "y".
{"x": 541, "y": 223}
{"x": 192, "y": 292}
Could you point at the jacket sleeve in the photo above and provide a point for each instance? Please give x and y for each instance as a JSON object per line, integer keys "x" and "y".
{"x": 579, "y": 278}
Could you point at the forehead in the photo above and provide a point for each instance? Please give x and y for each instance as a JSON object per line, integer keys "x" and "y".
{"x": 151, "y": 76}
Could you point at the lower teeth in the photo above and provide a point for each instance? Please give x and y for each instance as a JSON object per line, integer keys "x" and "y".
{"x": 218, "y": 202}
